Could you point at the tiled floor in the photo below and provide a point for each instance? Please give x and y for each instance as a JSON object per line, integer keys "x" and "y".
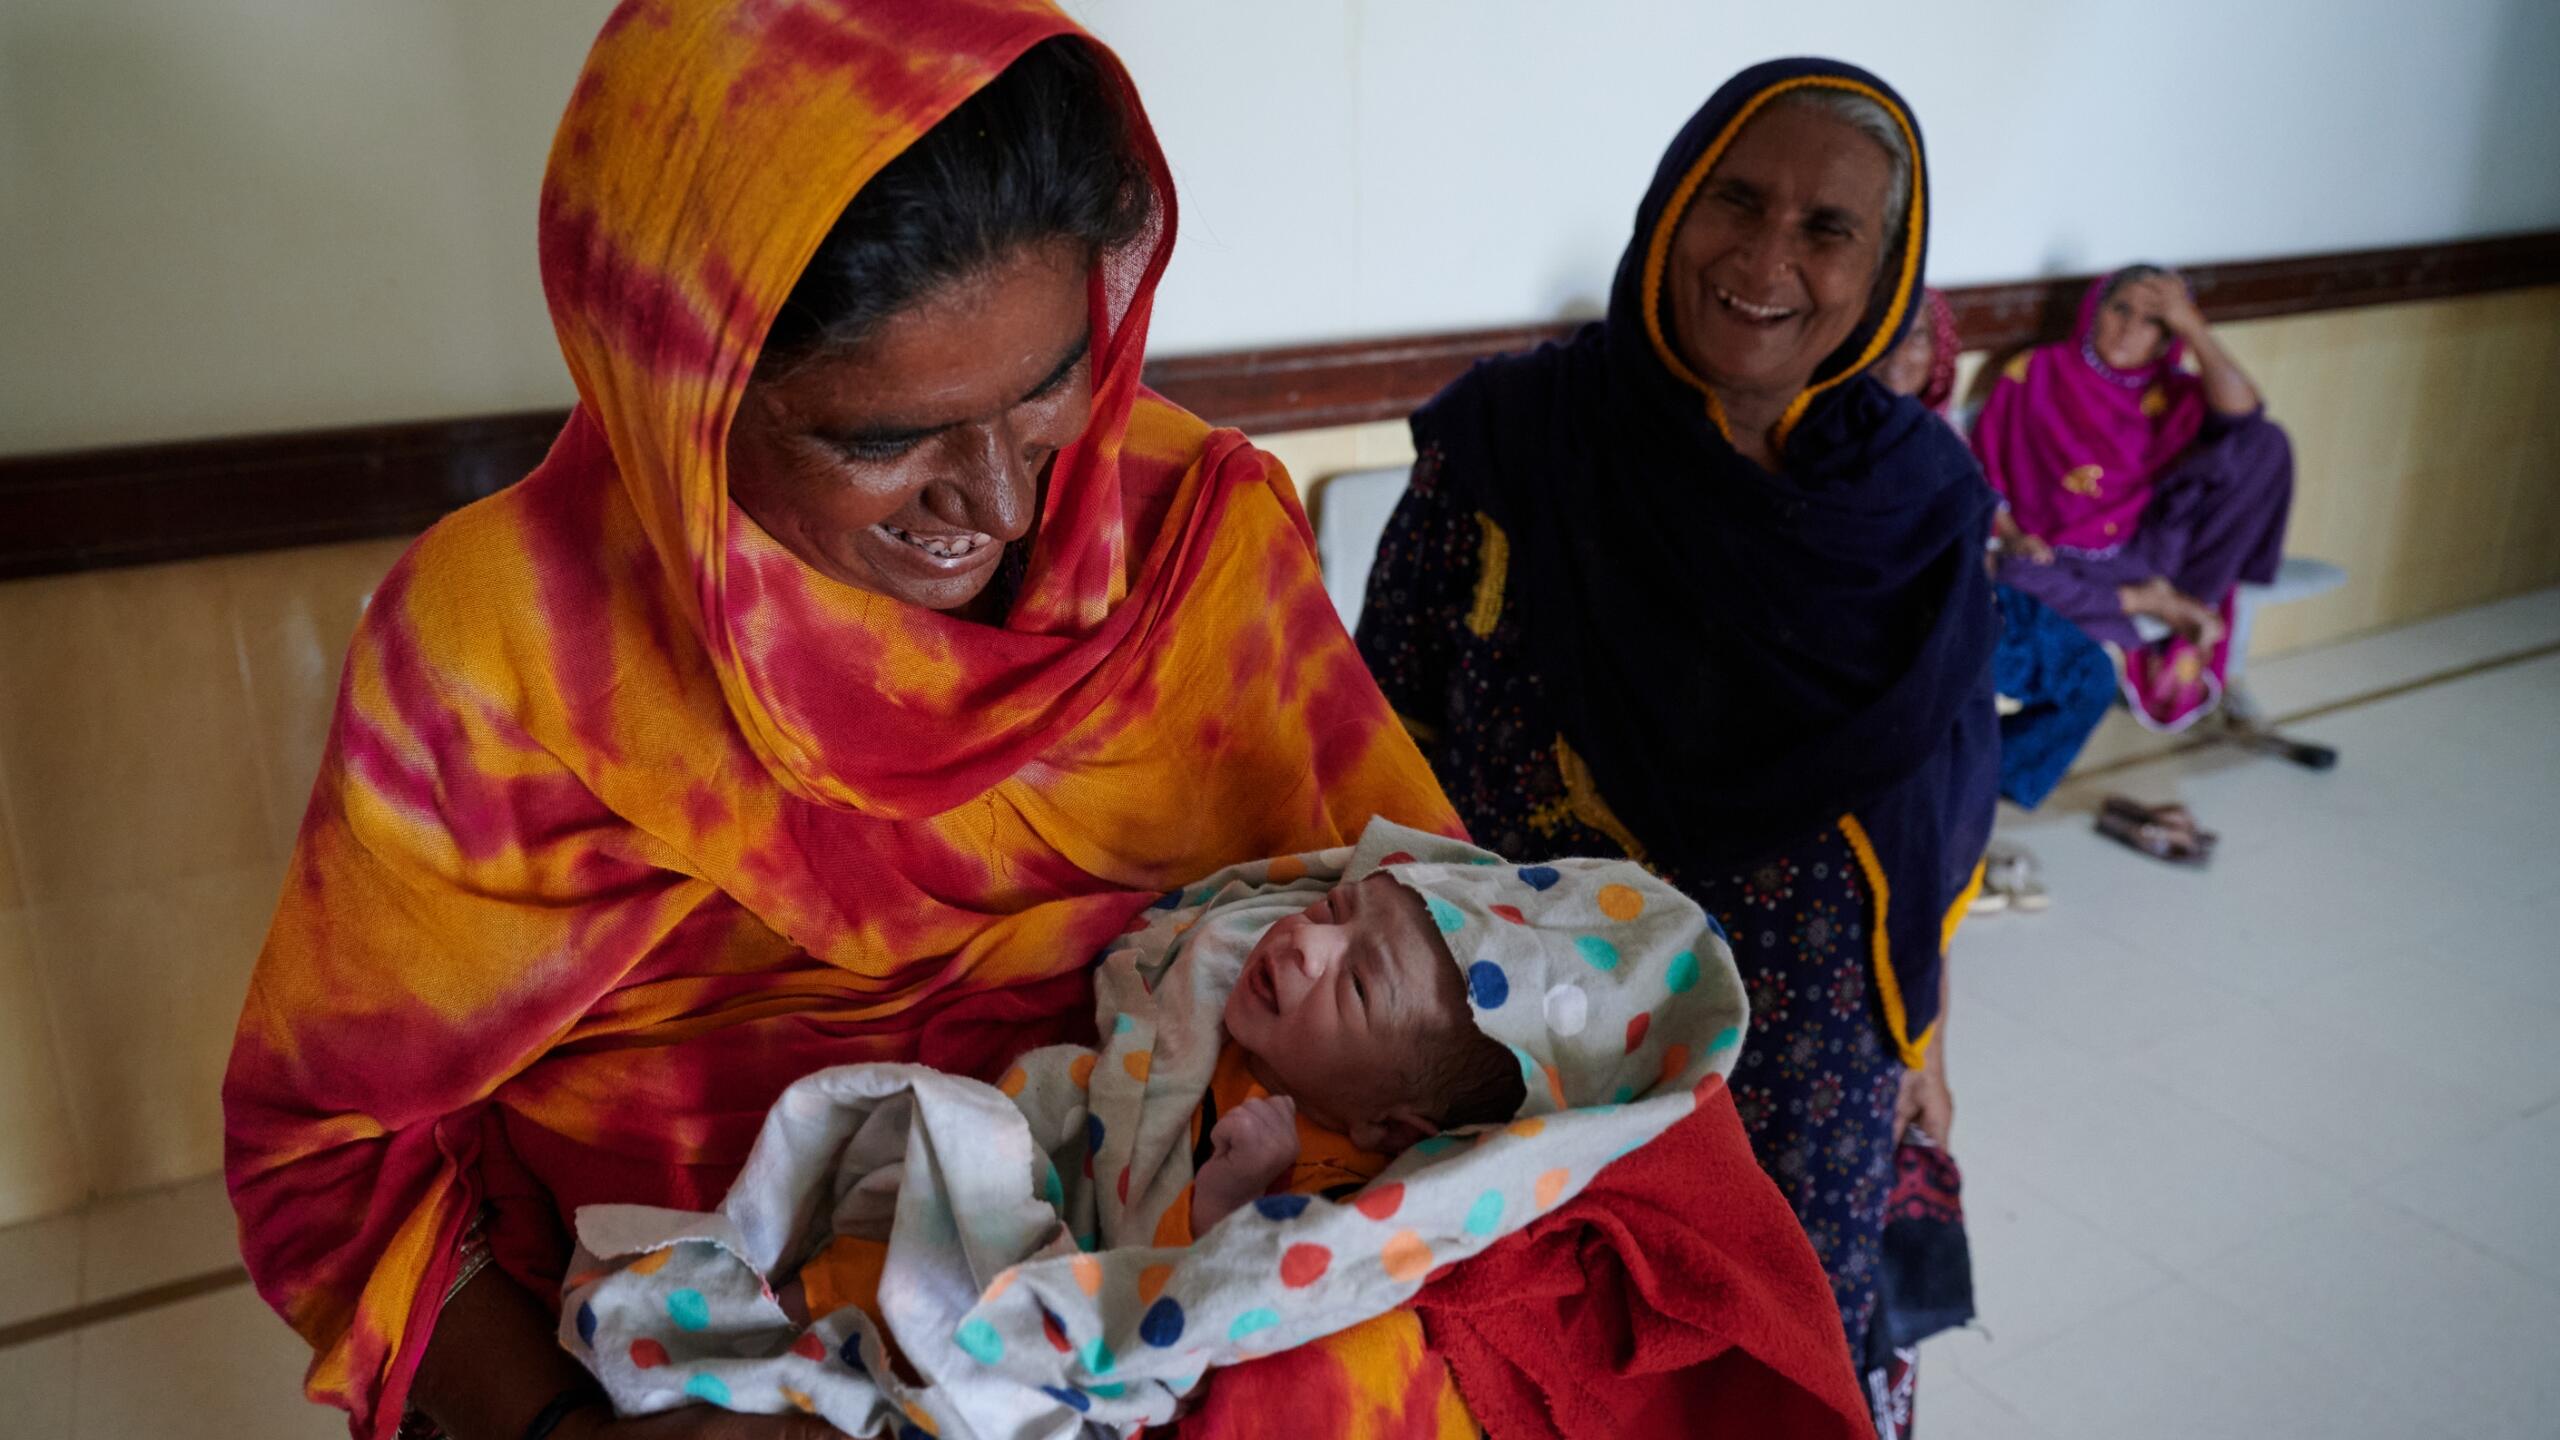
{"x": 2268, "y": 1151}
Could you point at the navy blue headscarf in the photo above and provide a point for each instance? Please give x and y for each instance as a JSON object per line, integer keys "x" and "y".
{"x": 1745, "y": 658}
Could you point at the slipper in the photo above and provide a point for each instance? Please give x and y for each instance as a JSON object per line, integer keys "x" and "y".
{"x": 2173, "y": 815}
{"x": 2170, "y": 843}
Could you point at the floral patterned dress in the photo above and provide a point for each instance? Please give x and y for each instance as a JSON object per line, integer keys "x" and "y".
{"x": 1818, "y": 1079}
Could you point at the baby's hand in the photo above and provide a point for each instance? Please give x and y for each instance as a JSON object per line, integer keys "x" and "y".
{"x": 1251, "y": 1146}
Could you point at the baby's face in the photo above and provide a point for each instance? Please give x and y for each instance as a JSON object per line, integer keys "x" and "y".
{"x": 1335, "y": 1000}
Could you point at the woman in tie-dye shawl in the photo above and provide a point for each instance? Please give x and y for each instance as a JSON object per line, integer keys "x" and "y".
{"x": 769, "y": 725}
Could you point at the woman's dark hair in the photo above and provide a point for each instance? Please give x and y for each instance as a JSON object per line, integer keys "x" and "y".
{"x": 1040, "y": 153}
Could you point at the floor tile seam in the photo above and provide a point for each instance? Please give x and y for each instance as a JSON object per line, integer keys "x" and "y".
{"x": 91, "y": 1314}
{"x": 2539, "y": 1279}
{"x": 1980, "y": 1374}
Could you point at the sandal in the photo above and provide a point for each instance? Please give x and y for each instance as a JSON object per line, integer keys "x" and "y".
{"x": 2012, "y": 871}
{"x": 2167, "y": 834}
{"x": 2173, "y": 814}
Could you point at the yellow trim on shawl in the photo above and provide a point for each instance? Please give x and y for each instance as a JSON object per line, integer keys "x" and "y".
{"x": 1493, "y": 572}
{"x": 1582, "y": 798}
{"x": 1658, "y": 251}
{"x": 1953, "y": 920}
{"x": 1897, "y": 1019}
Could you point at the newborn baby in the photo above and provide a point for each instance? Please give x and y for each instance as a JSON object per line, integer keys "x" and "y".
{"x": 1319, "y": 1080}
{"x": 1347, "y": 1040}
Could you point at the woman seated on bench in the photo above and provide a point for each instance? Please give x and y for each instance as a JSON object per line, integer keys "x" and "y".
{"x": 2138, "y": 488}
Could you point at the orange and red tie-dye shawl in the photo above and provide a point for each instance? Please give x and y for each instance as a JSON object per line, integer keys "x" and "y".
{"x": 628, "y": 818}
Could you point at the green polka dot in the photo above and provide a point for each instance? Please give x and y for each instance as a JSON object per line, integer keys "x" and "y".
{"x": 981, "y": 1341}
{"x": 1436, "y": 1144}
{"x": 1050, "y": 1189}
{"x": 1683, "y": 972}
{"x": 1098, "y": 1358}
{"x": 710, "y": 1388}
{"x": 1252, "y": 1322}
{"x": 1445, "y": 915}
{"x": 1601, "y": 954}
{"x": 1725, "y": 1038}
{"x": 1485, "y": 1214}
{"x": 1122, "y": 1024}
{"x": 1625, "y": 1094}
{"x": 689, "y": 1310}
{"x": 1109, "y": 1392}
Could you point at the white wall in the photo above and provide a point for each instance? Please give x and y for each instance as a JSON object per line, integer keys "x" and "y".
{"x": 233, "y": 215}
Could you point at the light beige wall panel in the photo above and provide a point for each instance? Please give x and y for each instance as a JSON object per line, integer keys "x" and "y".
{"x": 40, "y": 1169}
{"x": 293, "y": 612}
{"x": 146, "y": 986}
{"x": 127, "y": 742}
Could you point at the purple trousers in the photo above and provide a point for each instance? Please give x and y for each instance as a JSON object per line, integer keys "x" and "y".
{"x": 2216, "y": 519}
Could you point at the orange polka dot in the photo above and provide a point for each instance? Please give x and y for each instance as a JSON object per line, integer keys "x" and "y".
{"x": 1620, "y": 903}
{"x": 1706, "y": 1086}
{"x": 1138, "y": 1063}
{"x": 1151, "y": 1282}
{"x": 1526, "y": 1128}
{"x": 1012, "y": 1082}
{"x": 1288, "y": 868}
{"x": 922, "y": 1421}
{"x": 582, "y": 1281}
{"x": 997, "y": 1286}
{"x": 1551, "y": 1185}
{"x": 1675, "y": 1058}
{"x": 800, "y": 1402}
{"x": 1555, "y": 1085}
{"x": 653, "y": 1262}
{"x": 1088, "y": 1274}
{"x": 1081, "y": 1072}
{"x": 1405, "y": 1257}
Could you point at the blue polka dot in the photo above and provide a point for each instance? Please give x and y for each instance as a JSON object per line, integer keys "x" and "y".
{"x": 1601, "y": 954}
{"x": 1073, "y": 1399}
{"x": 1172, "y": 901}
{"x": 1485, "y": 1214}
{"x": 1540, "y": 877}
{"x": 910, "y": 1432}
{"x": 689, "y": 1310}
{"x": 1683, "y": 972}
{"x": 981, "y": 1341}
{"x": 1486, "y": 982}
{"x": 850, "y": 1352}
{"x": 1098, "y": 1358}
{"x": 1445, "y": 915}
{"x": 1252, "y": 1322}
{"x": 710, "y": 1388}
{"x": 1717, "y": 926}
{"x": 586, "y": 1324}
{"x": 1162, "y": 1326}
{"x": 1092, "y": 1134}
{"x": 1281, "y": 1207}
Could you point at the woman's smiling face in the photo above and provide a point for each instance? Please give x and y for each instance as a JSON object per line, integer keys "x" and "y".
{"x": 1776, "y": 260}
{"x": 904, "y": 464}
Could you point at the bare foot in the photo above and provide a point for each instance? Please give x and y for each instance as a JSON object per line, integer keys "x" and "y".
{"x": 2198, "y": 622}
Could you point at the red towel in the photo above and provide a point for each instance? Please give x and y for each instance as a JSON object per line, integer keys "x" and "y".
{"x": 1676, "y": 1295}
{"x": 1676, "y": 1291}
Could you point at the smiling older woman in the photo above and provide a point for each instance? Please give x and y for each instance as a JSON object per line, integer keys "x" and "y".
{"x": 1694, "y": 588}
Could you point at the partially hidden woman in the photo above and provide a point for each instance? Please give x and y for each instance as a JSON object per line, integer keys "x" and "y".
{"x": 1693, "y": 587}
{"x": 2055, "y": 683}
{"x": 868, "y": 651}
{"x": 2137, "y": 487}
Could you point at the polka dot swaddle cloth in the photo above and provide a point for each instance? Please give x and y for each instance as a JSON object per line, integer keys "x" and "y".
{"x": 1022, "y": 1281}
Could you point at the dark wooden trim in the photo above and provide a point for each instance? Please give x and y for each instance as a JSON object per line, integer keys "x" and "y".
{"x": 90, "y": 509}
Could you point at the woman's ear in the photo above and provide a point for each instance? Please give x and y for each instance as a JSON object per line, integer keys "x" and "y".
{"x": 1398, "y": 1129}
